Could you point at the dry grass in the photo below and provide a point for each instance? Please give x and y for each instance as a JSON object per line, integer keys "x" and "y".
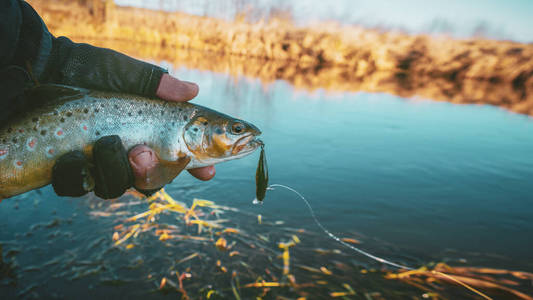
{"x": 323, "y": 56}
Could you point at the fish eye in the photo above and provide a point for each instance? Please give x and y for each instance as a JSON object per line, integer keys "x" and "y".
{"x": 237, "y": 128}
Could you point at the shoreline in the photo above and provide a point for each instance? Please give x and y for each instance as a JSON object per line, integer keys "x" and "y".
{"x": 332, "y": 57}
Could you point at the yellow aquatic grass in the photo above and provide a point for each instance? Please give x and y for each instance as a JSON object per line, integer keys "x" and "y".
{"x": 188, "y": 257}
{"x": 466, "y": 277}
{"x": 163, "y": 283}
{"x": 295, "y": 239}
{"x": 221, "y": 244}
{"x": 128, "y": 235}
{"x": 474, "y": 279}
{"x": 204, "y": 203}
{"x": 265, "y": 284}
{"x": 229, "y": 231}
{"x": 351, "y": 241}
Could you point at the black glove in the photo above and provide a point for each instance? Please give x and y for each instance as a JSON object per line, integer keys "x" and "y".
{"x": 91, "y": 67}
{"x": 109, "y": 173}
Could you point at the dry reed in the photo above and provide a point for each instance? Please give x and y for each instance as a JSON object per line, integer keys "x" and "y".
{"x": 323, "y": 56}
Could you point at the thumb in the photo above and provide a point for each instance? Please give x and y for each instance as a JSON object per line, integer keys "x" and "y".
{"x": 173, "y": 89}
{"x": 142, "y": 160}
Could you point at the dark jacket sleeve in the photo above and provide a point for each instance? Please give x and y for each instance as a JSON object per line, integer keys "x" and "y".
{"x": 59, "y": 60}
{"x": 99, "y": 68}
{"x": 10, "y": 22}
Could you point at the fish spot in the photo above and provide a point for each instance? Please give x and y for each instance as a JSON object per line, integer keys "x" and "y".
{"x": 195, "y": 129}
{"x": 59, "y": 133}
{"x": 129, "y": 114}
{"x": 140, "y": 112}
{"x": 31, "y": 143}
{"x": 97, "y": 132}
{"x": 85, "y": 110}
{"x": 3, "y": 153}
{"x": 69, "y": 113}
{"x": 34, "y": 128}
{"x": 62, "y": 120}
{"x": 55, "y": 113}
{"x": 205, "y": 123}
{"x": 116, "y": 106}
{"x": 21, "y": 130}
{"x": 9, "y": 130}
{"x": 96, "y": 110}
{"x": 4, "y": 141}
{"x": 18, "y": 164}
{"x": 50, "y": 152}
{"x": 43, "y": 132}
{"x": 185, "y": 118}
{"x": 14, "y": 140}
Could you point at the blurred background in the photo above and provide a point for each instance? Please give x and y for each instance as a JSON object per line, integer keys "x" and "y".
{"x": 407, "y": 125}
{"x": 508, "y": 20}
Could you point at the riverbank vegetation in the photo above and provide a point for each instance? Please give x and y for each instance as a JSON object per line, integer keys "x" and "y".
{"x": 326, "y": 55}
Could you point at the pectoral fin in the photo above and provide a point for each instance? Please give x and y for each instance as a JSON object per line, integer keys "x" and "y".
{"x": 163, "y": 173}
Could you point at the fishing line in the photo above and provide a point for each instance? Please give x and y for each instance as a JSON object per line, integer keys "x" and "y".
{"x": 331, "y": 235}
{"x": 261, "y": 180}
{"x": 360, "y": 251}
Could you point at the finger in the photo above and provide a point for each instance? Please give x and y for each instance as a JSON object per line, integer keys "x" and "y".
{"x": 142, "y": 160}
{"x": 173, "y": 89}
{"x": 204, "y": 173}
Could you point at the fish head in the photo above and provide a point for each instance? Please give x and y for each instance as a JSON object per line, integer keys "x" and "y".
{"x": 212, "y": 137}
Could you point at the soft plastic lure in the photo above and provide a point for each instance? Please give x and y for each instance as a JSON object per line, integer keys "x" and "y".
{"x": 261, "y": 177}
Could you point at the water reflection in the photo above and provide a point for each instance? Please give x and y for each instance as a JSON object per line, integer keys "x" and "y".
{"x": 509, "y": 95}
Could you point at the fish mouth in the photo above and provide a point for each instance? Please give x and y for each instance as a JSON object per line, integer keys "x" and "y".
{"x": 246, "y": 144}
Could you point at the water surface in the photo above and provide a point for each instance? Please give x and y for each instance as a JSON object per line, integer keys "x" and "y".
{"x": 414, "y": 180}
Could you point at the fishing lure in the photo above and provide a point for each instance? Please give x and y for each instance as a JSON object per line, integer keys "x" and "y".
{"x": 261, "y": 177}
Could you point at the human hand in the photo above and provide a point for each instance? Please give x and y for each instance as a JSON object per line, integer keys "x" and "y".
{"x": 142, "y": 159}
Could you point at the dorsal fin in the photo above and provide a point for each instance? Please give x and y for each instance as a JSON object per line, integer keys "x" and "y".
{"x": 46, "y": 92}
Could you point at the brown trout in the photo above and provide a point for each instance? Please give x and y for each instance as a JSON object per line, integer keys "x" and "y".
{"x": 72, "y": 118}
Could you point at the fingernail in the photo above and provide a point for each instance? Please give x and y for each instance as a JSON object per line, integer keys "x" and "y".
{"x": 142, "y": 158}
{"x": 192, "y": 86}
